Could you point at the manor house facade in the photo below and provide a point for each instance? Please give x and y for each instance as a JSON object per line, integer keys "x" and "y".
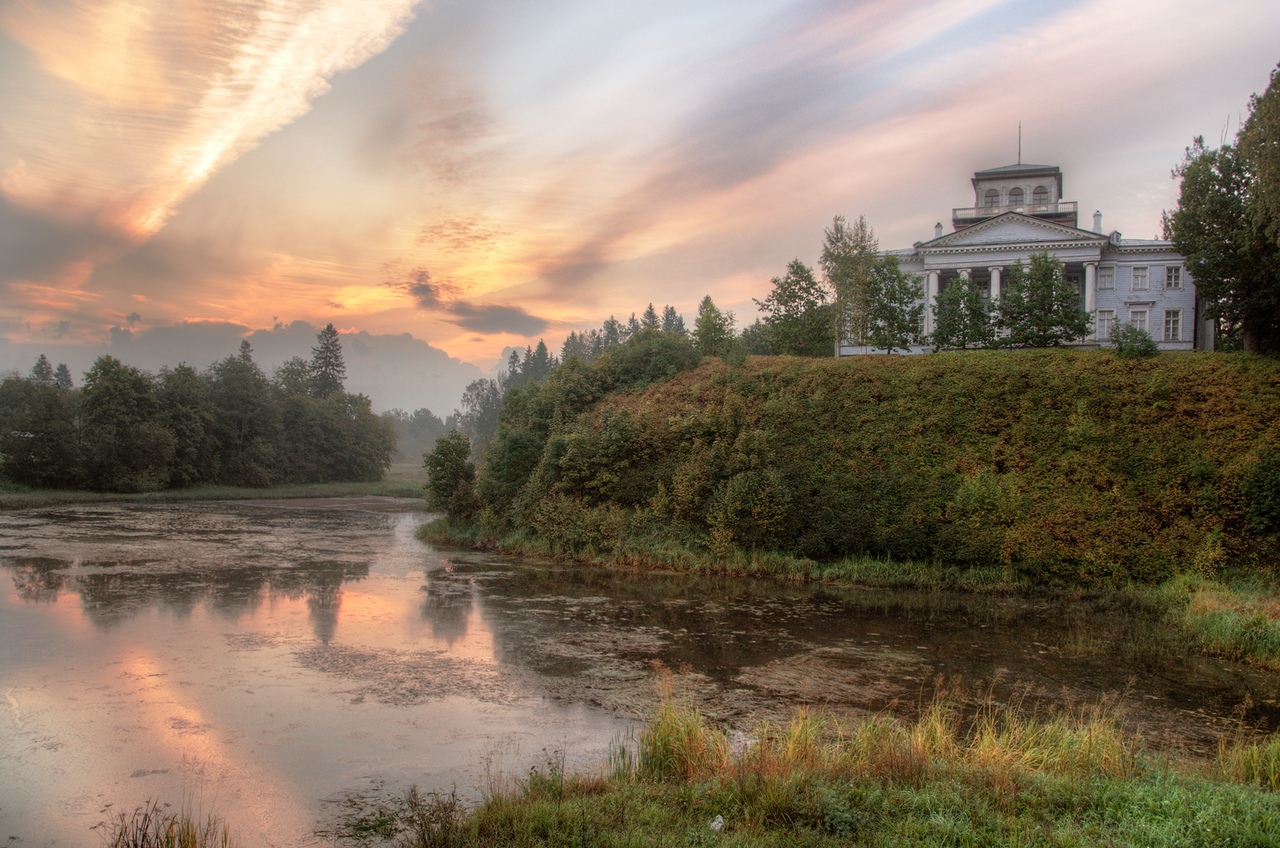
{"x": 1019, "y": 211}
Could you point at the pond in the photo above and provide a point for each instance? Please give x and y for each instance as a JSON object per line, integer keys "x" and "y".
{"x": 258, "y": 658}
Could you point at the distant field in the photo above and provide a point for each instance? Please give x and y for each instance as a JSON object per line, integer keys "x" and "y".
{"x": 399, "y": 483}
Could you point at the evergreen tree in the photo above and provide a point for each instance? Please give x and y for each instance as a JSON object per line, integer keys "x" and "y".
{"x": 673, "y": 322}
{"x": 246, "y": 352}
{"x": 328, "y": 370}
{"x": 713, "y": 331}
{"x": 649, "y": 321}
{"x": 1039, "y": 307}
{"x": 611, "y": 334}
{"x": 42, "y": 371}
{"x": 894, "y": 307}
{"x": 961, "y": 319}
{"x": 632, "y": 328}
{"x": 62, "y": 376}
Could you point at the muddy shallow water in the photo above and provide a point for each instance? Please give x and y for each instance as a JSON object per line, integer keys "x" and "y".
{"x": 256, "y": 658}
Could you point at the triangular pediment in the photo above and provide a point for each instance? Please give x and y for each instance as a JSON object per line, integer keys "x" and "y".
{"x": 1012, "y": 228}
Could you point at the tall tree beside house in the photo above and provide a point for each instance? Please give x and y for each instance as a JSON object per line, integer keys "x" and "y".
{"x": 849, "y": 255}
{"x": 961, "y": 319}
{"x": 798, "y": 314}
{"x": 1260, "y": 148}
{"x": 1227, "y": 224}
{"x": 894, "y": 308}
{"x": 328, "y": 369}
{"x": 1039, "y": 307}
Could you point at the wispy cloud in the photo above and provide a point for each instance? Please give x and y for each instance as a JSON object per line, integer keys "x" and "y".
{"x": 159, "y": 95}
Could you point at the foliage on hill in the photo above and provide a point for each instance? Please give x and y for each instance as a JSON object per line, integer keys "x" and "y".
{"x": 1070, "y": 467}
{"x": 125, "y": 430}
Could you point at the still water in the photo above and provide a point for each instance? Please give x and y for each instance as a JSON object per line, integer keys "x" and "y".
{"x": 257, "y": 658}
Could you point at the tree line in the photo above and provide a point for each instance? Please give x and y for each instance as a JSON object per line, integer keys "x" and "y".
{"x": 865, "y": 299}
{"x": 125, "y": 430}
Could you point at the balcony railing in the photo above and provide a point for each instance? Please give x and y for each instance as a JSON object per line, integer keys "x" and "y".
{"x": 972, "y": 213}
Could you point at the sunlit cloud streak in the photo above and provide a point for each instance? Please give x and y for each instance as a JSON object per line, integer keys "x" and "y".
{"x": 159, "y": 95}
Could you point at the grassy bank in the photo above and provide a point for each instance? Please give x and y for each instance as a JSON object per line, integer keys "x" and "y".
{"x": 1237, "y": 619}
{"x": 1063, "y": 468}
{"x": 998, "y": 778}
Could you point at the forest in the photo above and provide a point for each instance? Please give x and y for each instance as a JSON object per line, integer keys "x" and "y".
{"x": 125, "y": 430}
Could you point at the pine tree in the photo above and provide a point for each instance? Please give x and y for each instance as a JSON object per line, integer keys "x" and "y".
{"x": 328, "y": 370}
{"x": 62, "y": 376}
{"x": 673, "y": 322}
{"x": 42, "y": 371}
{"x": 649, "y": 321}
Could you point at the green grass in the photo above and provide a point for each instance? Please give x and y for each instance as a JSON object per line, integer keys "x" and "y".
{"x": 1238, "y": 620}
{"x": 17, "y": 497}
{"x": 1002, "y": 777}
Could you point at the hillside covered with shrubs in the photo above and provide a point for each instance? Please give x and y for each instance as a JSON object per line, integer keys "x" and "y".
{"x": 1062, "y": 467}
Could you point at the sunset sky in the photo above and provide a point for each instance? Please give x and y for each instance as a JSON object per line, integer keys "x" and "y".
{"x": 483, "y": 174}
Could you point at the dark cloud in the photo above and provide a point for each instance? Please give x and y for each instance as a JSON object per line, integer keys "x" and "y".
{"x": 497, "y": 319}
{"x": 33, "y": 246}
{"x": 132, "y": 318}
{"x": 62, "y": 329}
{"x": 445, "y": 297}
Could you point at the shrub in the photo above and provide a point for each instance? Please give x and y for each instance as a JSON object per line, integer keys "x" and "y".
{"x": 1132, "y": 342}
{"x": 450, "y": 476}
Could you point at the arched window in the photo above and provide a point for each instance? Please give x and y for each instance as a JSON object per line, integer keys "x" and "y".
{"x": 992, "y": 198}
{"x": 1015, "y": 197}
{"x": 1040, "y": 196}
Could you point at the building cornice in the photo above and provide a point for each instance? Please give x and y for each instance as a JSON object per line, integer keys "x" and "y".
{"x": 1013, "y": 247}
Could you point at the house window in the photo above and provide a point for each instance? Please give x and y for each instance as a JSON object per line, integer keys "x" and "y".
{"x": 1141, "y": 279}
{"x": 1040, "y": 196}
{"x": 992, "y": 198}
{"x": 1105, "y": 322}
{"x": 1138, "y": 318}
{"x": 1015, "y": 197}
{"x": 1173, "y": 325}
{"x": 1107, "y": 278}
{"x": 1173, "y": 277}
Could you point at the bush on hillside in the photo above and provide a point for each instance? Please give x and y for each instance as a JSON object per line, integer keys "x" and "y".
{"x": 1133, "y": 342}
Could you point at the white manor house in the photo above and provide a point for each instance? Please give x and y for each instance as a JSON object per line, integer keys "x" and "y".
{"x": 1018, "y": 211}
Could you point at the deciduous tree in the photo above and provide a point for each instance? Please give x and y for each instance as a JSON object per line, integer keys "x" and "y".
{"x": 798, "y": 315}
{"x": 894, "y": 306}
{"x": 849, "y": 255}
{"x": 961, "y": 319}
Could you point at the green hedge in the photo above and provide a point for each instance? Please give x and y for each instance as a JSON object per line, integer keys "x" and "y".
{"x": 1070, "y": 467}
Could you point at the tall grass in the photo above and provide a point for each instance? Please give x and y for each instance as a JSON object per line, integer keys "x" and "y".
{"x": 1238, "y": 621}
{"x": 156, "y": 825}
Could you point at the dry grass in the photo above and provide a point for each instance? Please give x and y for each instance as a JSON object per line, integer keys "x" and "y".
{"x": 156, "y": 825}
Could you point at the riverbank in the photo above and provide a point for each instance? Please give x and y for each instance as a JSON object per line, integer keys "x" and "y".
{"x": 1233, "y": 617}
{"x": 403, "y": 482}
{"x": 1002, "y": 777}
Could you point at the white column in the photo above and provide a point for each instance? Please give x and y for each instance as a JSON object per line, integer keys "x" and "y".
{"x": 964, "y": 272}
{"x": 995, "y": 282}
{"x": 1091, "y": 292}
{"x": 930, "y": 292}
